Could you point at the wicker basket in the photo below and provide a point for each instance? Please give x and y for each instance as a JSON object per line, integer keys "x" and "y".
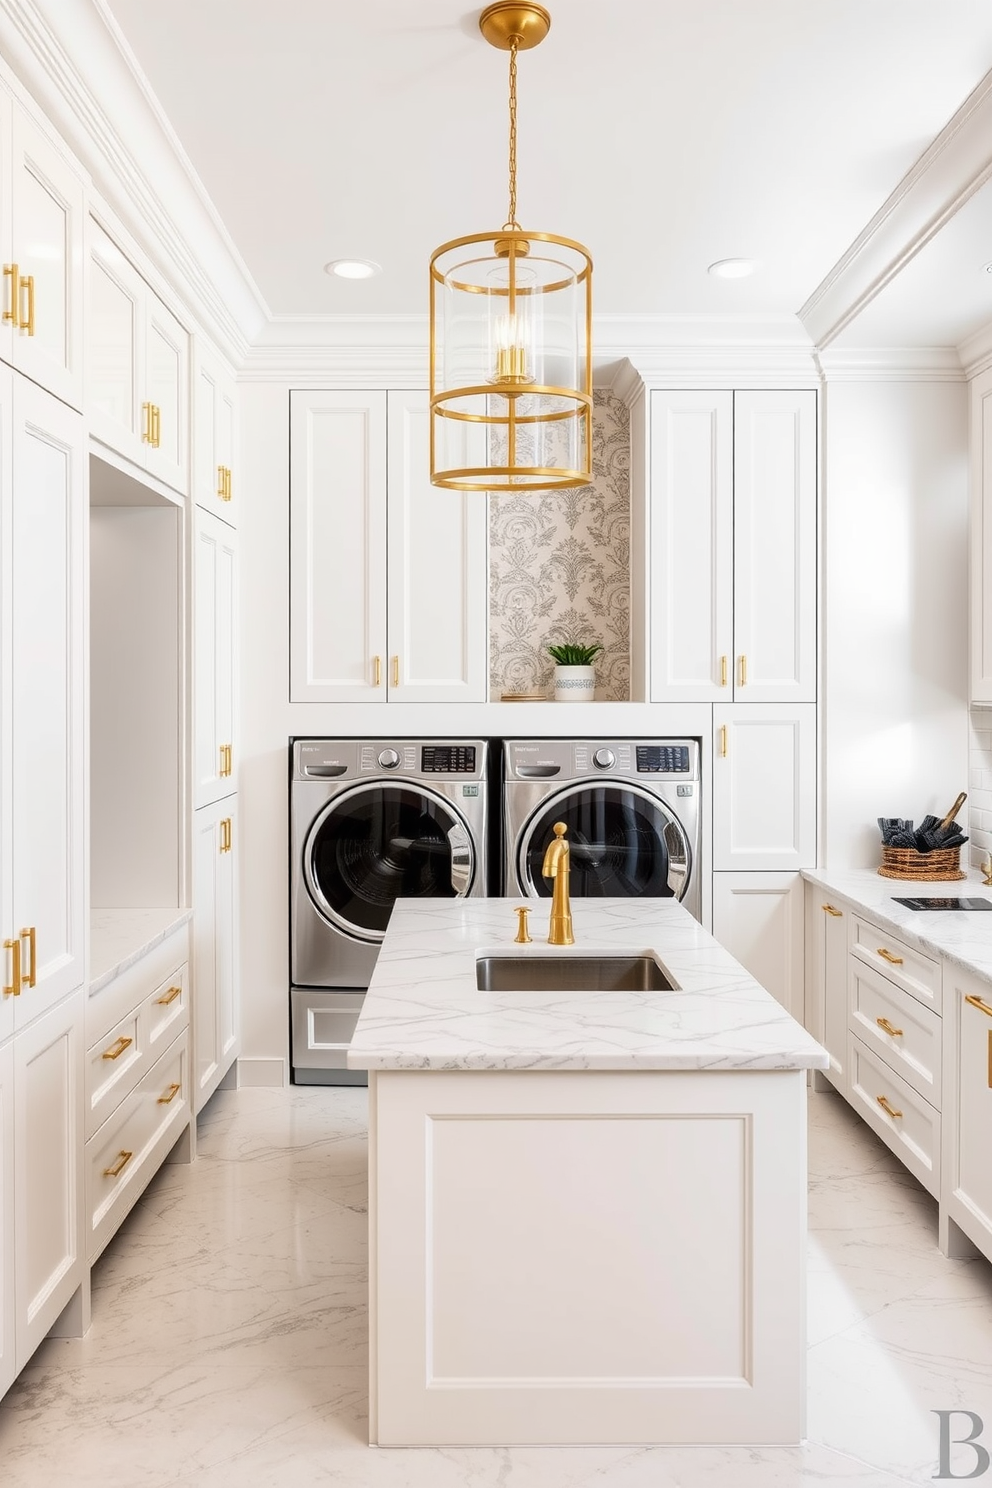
{"x": 941, "y": 865}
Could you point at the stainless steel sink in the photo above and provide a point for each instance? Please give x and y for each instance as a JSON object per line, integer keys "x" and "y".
{"x": 593, "y": 973}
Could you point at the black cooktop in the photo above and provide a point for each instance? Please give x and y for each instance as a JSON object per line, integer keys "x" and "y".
{"x": 944, "y": 903}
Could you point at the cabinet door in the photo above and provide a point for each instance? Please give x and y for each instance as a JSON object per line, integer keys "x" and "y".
{"x": 775, "y": 547}
{"x": 214, "y": 601}
{"x": 967, "y": 1102}
{"x": 7, "y": 931}
{"x": 215, "y": 1020}
{"x": 758, "y": 917}
{"x": 8, "y": 1367}
{"x": 337, "y": 547}
{"x": 47, "y": 246}
{"x": 213, "y": 435}
{"x": 114, "y": 330}
{"x": 166, "y": 389}
{"x": 48, "y": 1150}
{"x": 436, "y": 571}
{"x": 764, "y": 786}
{"x": 836, "y": 1001}
{"x": 47, "y": 498}
{"x": 981, "y": 539}
{"x": 691, "y": 535}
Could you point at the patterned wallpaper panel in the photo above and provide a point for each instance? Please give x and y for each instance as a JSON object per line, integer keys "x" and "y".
{"x": 559, "y": 569}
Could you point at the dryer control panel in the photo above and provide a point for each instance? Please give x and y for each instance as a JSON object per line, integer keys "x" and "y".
{"x": 561, "y": 759}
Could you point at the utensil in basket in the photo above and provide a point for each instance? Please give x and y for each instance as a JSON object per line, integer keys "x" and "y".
{"x": 933, "y": 833}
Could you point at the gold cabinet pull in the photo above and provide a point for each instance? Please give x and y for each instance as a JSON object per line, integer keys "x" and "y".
{"x": 975, "y": 1002}
{"x": 146, "y": 424}
{"x": 723, "y": 741}
{"x": 14, "y": 947}
{"x": 221, "y": 484}
{"x": 376, "y": 672}
{"x": 396, "y": 671}
{"x": 887, "y": 1026}
{"x": 31, "y": 935}
{"x": 117, "y": 1048}
{"x": 117, "y": 1167}
{"x": 889, "y": 1110}
{"x": 169, "y": 997}
{"x": 888, "y": 956}
{"x": 743, "y": 670}
{"x": 27, "y": 286}
{"x": 11, "y": 272}
{"x": 225, "y": 835}
{"x": 227, "y": 482}
{"x": 829, "y": 909}
{"x": 170, "y": 1094}
{"x": 723, "y": 671}
{"x": 225, "y": 759}
{"x": 157, "y": 426}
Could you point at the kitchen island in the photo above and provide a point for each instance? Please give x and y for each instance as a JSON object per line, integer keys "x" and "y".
{"x": 587, "y": 1209}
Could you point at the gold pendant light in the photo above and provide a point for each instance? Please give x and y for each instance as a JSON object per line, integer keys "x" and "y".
{"x": 511, "y": 334}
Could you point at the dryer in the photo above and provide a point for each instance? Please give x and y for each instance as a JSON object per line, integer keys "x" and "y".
{"x": 631, "y": 806}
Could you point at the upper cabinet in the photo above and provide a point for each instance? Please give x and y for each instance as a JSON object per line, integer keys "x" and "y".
{"x": 981, "y": 539}
{"x": 41, "y": 244}
{"x": 214, "y": 631}
{"x": 137, "y": 373}
{"x": 363, "y": 526}
{"x": 732, "y": 485}
{"x": 214, "y": 434}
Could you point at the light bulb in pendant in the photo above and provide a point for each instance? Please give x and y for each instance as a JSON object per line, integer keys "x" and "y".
{"x": 512, "y": 335}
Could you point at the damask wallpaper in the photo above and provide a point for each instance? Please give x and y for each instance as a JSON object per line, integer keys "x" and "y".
{"x": 559, "y": 569}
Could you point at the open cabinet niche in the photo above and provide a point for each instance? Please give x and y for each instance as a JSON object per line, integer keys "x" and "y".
{"x": 136, "y": 708}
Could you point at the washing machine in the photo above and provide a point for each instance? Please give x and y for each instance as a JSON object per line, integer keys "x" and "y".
{"x": 632, "y": 808}
{"x": 371, "y": 821}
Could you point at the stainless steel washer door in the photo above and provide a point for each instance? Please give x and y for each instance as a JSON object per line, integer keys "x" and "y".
{"x": 381, "y": 842}
{"x": 624, "y": 843}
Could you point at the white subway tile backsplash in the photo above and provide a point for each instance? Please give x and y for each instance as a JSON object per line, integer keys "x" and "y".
{"x": 979, "y": 819}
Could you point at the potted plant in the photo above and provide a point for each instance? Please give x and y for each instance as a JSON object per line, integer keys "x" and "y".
{"x": 575, "y": 676}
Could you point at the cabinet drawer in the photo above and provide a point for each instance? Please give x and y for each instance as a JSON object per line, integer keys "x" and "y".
{"x": 911, "y": 1127}
{"x": 898, "y": 1029}
{"x": 917, "y": 973}
{"x": 104, "y": 1009}
{"x": 166, "y": 1011}
{"x": 114, "y": 1065}
{"x": 132, "y": 1143}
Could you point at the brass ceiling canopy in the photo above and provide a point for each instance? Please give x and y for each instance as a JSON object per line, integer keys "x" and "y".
{"x": 511, "y": 333}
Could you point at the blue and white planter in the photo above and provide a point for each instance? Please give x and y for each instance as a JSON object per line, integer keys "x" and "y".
{"x": 575, "y": 684}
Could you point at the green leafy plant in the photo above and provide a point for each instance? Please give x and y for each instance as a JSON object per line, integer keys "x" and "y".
{"x": 575, "y": 655}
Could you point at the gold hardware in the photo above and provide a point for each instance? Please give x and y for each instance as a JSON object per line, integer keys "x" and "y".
{"x": 723, "y": 671}
{"x": 987, "y": 871}
{"x": 829, "y": 909}
{"x": 117, "y": 1048}
{"x": 396, "y": 671}
{"x": 723, "y": 741}
{"x": 27, "y": 283}
{"x": 11, "y": 272}
{"x": 146, "y": 424}
{"x": 523, "y": 936}
{"x": 556, "y": 866}
{"x": 169, "y": 996}
{"x": 225, "y": 760}
{"x": 221, "y": 483}
{"x": 14, "y": 947}
{"x": 507, "y": 21}
{"x": 117, "y": 1167}
{"x": 743, "y": 670}
{"x": 975, "y": 1002}
{"x": 887, "y": 1026}
{"x": 889, "y": 1110}
{"x": 376, "y": 672}
{"x": 225, "y": 835}
{"x": 156, "y": 426}
{"x": 228, "y": 483}
{"x": 31, "y": 976}
{"x": 170, "y": 1094}
{"x": 888, "y": 956}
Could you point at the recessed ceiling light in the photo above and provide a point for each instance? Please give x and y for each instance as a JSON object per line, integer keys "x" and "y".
{"x": 988, "y": 268}
{"x": 353, "y": 268}
{"x": 731, "y": 268}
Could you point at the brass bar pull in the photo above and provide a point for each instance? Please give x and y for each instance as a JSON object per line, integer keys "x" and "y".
{"x": 146, "y": 424}
{"x": 31, "y": 975}
{"x": 887, "y": 1026}
{"x": 723, "y": 741}
{"x": 225, "y": 835}
{"x": 221, "y": 484}
{"x": 169, "y": 997}
{"x": 170, "y": 1094}
{"x": 889, "y": 1110}
{"x": 117, "y": 1048}
{"x": 14, "y": 947}
{"x": 376, "y": 672}
{"x": 723, "y": 671}
{"x": 396, "y": 671}
{"x": 975, "y": 1002}
{"x": 227, "y": 482}
{"x": 11, "y": 272}
{"x": 829, "y": 909}
{"x": 117, "y": 1167}
{"x": 158, "y": 425}
{"x": 27, "y": 285}
{"x": 225, "y": 759}
{"x": 743, "y": 670}
{"x": 888, "y": 956}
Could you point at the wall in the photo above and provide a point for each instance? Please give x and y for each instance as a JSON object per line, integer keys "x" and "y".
{"x": 979, "y": 788}
{"x": 895, "y": 527}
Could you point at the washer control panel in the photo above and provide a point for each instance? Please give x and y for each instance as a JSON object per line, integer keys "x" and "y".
{"x": 448, "y": 759}
{"x": 662, "y": 759}
{"x": 604, "y": 759}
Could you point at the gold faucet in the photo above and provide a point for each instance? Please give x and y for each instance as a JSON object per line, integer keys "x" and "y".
{"x": 987, "y": 871}
{"x": 556, "y": 867}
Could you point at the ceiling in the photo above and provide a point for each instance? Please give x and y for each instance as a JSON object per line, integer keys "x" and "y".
{"x": 664, "y": 134}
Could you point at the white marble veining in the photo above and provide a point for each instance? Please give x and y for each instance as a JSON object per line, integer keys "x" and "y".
{"x": 424, "y": 1011}
{"x": 963, "y": 936}
{"x": 121, "y": 937}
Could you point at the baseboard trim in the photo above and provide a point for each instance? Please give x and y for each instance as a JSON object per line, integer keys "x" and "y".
{"x": 254, "y": 1074}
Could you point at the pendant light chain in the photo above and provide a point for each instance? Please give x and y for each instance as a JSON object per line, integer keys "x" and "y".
{"x": 512, "y": 220}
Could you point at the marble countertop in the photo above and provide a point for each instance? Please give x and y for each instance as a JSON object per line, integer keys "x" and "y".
{"x": 121, "y": 937}
{"x": 963, "y": 936}
{"x": 423, "y": 1009}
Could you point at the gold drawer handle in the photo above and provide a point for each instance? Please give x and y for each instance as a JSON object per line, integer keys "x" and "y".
{"x": 888, "y": 956}
{"x": 170, "y": 1094}
{"x": 884, "y": 1023}
{"x": 829, "y": 909}
{"x": 118, "y": 1048}
{"x": 169, "y": 997}
{"x": 890, "y": 1110}
{"x": 396, "y": 671}
{"x": 975, "y": 1002}
{"x": 14, "y": 989}
{"x": 116, "y": 1168}
{"x": 376, "y": 671}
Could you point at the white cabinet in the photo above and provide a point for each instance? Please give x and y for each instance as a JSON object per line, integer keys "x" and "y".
{"x": 764, "y": 786}
{"x": 214, "y": 433}
{"x": 759, "y": 918}
{"x": 8, "y": 1365}
{"x": 214, "y": 631}
{"x": 967, "y": 1118}
{"x": 733, "y": 546}
{"x": 359, "y": 521}
{"x": 826, "y": 979}
{"x": 215, "y": 1010}
{"x": 981, "y": 539}
{"x": 137, "y": 367}
{"x": 41, "y": 244}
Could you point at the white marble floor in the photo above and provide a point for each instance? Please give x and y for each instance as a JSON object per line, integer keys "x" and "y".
{"x": 228, "y": 1346}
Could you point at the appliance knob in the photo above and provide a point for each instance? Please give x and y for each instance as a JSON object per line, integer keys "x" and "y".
{"x": 604, "y": 759}
{"x": 389, "y": 759}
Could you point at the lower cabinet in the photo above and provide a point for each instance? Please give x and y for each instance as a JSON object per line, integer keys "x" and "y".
{"x": 967, "y": 1134}
{"x": 826, "y": 980}
{"x": 215, "y": 1024}
{"x": 8, "y": 1366}
{"x": 759, "y": 918}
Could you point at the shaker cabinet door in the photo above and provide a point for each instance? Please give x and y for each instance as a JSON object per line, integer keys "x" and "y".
{"x": 764, "y": 786}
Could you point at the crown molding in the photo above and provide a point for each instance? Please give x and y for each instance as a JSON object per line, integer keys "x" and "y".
{"x": 891, "y": 364}
{"x": 976, "y": 352}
